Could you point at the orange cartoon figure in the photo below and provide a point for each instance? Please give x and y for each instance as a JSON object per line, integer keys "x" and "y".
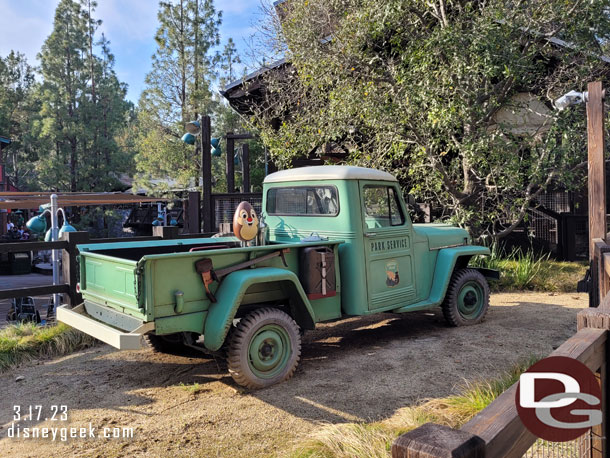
{"x": 245, "y": 222}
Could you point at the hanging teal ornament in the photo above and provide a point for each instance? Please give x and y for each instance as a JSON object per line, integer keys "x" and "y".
{"x": 216, "y": 150}
{"x": 37, "y": 224}
{"x": 66, "y": 227}
{"x": 189, "y": 139}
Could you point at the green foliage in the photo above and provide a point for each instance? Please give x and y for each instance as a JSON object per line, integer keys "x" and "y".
{"x": 426, "y": 90}
{"x": 525, "y": 270}
{"x": 27, "y": 341}
{"x": 177, "y": 91}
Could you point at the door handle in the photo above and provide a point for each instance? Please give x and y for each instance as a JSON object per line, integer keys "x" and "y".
{"x": 370, "y": 234}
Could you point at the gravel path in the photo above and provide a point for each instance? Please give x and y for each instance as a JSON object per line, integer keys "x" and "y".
{"x": 361, "y": 369}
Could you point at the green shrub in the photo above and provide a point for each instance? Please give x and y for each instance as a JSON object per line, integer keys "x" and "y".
{"x": 26, "y": 341}
{"x": 525, "y": 270}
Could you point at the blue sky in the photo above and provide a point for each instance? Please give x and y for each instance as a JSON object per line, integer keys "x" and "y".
{"x": 130, "y": 26}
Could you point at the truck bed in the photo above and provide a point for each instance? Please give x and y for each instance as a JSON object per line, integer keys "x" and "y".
{"x": 141, "y": 279}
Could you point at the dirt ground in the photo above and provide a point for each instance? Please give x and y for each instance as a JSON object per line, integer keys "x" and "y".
{"x": 363, "y": 369}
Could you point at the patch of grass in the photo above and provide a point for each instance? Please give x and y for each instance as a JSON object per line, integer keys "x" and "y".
{"x": 521, "y": 270}
{"x": 193, "y": 389}
{"x": 375, "y": 439}
{"x": 26, "y": 341}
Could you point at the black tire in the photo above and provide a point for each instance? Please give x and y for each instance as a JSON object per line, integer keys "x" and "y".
{"x": 170, "y": 343}
{"x": 277, "y": 337}
{"x": 467, "y": 298}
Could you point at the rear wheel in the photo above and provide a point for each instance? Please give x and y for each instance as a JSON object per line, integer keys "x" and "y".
{"x": 170, "y": 343}
{"x": 265, "y": 348}
{"x": 467, "y": 298}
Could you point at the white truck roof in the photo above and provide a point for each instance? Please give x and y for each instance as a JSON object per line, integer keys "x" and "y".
{"x": 329, "y": 172}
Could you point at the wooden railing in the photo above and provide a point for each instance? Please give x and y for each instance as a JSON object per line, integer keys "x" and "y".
{"x": 69, "y": 259}
{"x": 497, "y": 431}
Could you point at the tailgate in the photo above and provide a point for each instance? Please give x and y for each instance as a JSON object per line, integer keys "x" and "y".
{"x": 113, "y": 282}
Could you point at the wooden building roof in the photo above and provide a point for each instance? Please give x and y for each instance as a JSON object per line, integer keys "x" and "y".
{"x": 33, "y": 200}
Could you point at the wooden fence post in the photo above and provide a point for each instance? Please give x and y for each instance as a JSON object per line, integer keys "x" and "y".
{"x": 165, "y": 232}
{"x": 431, "y": 440}
{"x": 192, "y": 213}
{"x": 245, "y": 167}
{"x": 230, "y": 163}
{"x": 599, "y": 318}
{"x": 597, "y": 181}
{"x": 70, "y": 265}
{"x": 206, "y": 165}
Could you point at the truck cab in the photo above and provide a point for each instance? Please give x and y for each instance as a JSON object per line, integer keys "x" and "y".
{"x": 386, "y": 262}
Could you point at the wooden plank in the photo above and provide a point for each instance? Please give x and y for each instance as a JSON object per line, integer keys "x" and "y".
{"x": 70, "y": 266}
{"x": 193, "y": 213}
{"x": 232, "y": 136}
{"x": 597, "y": 168}
{"x": 600, "y": 284}
{"x": 230, "y": 164}
{"x": 245, "y": 167}
{"x": 19, "y": 247}
{"x": 435, "y": 440}
{"x": 499, "y": 424}
{"x": 599, "y": 432}
{"x": 45, "y": 290}
{"x": 206, "y": 173}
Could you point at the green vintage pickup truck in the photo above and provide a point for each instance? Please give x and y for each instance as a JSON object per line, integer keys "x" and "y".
{"x": 338, "y": 243}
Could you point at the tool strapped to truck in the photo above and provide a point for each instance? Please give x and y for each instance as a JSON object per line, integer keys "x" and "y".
{"x": 317, "y": 272}
{"x": 205, "y": 268}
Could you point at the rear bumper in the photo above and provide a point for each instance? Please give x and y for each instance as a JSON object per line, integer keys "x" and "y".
{"x": 78, "y": 318}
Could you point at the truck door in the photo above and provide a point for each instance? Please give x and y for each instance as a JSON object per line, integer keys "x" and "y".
{"x": 388, "y": 247}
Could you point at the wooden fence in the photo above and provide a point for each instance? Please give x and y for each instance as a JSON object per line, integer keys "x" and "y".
{"x": 497, "y": 431}
{"x": 69, "y": 259}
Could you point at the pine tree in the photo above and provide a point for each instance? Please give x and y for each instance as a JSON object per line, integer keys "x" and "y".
{"x": 177, "y": 89}
{"x": 83, "y": 104}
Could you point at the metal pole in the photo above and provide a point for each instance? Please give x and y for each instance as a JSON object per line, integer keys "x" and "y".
{"x": 55, "y": 253}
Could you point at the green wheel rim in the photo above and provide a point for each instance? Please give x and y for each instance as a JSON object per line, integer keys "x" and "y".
{"x": 269, "y": 351}
{"x": 470, "y": 300}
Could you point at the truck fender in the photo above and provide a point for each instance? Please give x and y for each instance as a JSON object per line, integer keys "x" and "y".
{"x": 231, "y": 291}
{"x": 445, "y": 264}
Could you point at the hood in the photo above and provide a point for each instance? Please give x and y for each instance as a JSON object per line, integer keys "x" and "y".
{"x": 443, "y": 235}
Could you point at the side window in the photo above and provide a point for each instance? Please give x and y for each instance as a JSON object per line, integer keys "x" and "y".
{"x": 381, "y": 207}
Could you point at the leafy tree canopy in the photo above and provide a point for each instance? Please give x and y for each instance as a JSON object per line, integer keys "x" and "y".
{"x": 417, "y": 87}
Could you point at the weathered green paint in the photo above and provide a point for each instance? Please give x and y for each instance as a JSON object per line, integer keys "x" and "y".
{"x": 445, "y": 264}
{"x": 232, "y": 290}
{"x": 379, "y": 268}
{"x": 191, "y": 322}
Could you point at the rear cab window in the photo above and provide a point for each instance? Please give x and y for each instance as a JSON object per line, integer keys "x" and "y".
{"x": 303, "y": 201}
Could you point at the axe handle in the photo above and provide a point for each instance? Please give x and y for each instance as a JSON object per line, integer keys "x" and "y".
{"x": 207, "y": 281}
{"x": 227, "y": 270}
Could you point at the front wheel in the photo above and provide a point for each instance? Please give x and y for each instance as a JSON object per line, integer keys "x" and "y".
{"x": 265, "y": 348}
{"x": 467, "y": 298}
